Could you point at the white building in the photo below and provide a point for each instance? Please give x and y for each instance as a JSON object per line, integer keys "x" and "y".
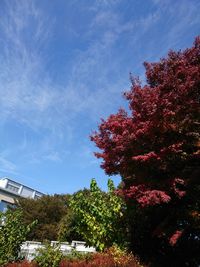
{"x": 29, "y": 249}
{"x": 10, "y": 190}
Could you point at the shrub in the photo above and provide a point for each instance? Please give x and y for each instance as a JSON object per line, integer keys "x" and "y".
{"x": 12, "y": 233}
{"x": 78, "y": 256}
{"x": 49, "y": 256}
{"x": 122, "y": 257}
{"x": 113, "y": 257}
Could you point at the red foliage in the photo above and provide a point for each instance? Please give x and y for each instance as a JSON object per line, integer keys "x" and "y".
{"x": 155, "y": 147}
{"x": 145, "y": 197}
{"x": 161, "y": 132}
{"x": 98, "y": 259}
{"x": 103, "y": 260}
{"x": 22, "y": 264}
{"x": 175, "y": 237}
{"x": 179, "y": 182}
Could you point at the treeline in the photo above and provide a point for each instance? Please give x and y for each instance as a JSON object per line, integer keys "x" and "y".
{"x": 92, "y": 215}
{"x": 49, "y": 212}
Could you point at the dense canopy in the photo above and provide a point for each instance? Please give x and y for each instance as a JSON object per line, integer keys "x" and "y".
{"x": 156, "y": 146}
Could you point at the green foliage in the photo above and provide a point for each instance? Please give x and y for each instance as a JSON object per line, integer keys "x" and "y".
{"x": 49, "y": 256}
{"x": 99, "y": 216}
{"x": 75, "y": 255}
{"x": 122, "y": 257}
{"x": 12, "y": 233}
{"x": 49, "y": 211}
{"x": 67, "y": 228}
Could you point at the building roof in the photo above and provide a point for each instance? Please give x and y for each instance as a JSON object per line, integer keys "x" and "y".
{"x": 17, "y": 189}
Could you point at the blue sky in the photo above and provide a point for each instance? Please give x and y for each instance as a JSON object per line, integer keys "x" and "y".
{"x": 64, "y": 65}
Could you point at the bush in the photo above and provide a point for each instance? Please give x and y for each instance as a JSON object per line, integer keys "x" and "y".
{"x": 78, "y": 256}
{"x": 12, "y": 233}
{"x": 113, "y": 257}
{"x": 49, "y": 256}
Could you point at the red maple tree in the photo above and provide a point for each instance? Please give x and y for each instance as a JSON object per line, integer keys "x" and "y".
{"x": 155, "y": 147}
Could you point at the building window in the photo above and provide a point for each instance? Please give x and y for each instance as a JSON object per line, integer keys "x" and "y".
{"x": 4, "y": 205}
{"x": 13, "y": 188}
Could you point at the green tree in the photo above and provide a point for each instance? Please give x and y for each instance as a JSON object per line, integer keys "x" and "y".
{"x": 12, "y": 233}
{"x": 68, "y": 225}
{"x": 100, "y": 216}
{"x": 48, "y": 211}
{"x": 67, "y": 228}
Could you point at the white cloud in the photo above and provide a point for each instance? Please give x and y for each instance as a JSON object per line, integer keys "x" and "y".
{"x": 22, "y": 91}
{"x": 27, "y": 92}
{"x": 29, "y": 95}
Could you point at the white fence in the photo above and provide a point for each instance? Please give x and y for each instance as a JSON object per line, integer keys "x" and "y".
{"x": 29, "y": 249}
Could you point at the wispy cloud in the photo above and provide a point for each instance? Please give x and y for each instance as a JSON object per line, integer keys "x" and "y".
{"x": 52, "y": 114}
{"x": 6, "y": 166}
{"x": 25, "y": 90}
{"x": 177, "y": 21}
{"x": 27, "y": 95}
